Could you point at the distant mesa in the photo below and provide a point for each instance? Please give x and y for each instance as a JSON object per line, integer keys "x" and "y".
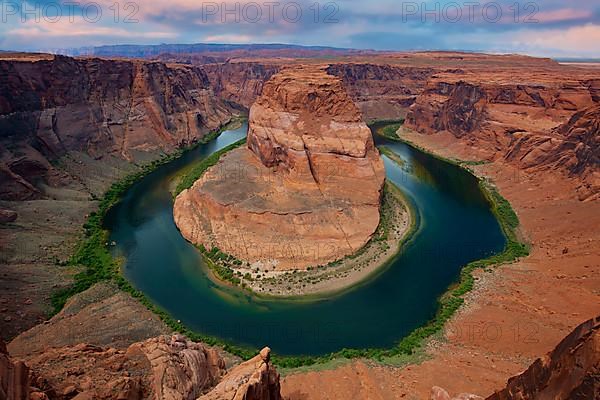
{"x": 305, "y": 191}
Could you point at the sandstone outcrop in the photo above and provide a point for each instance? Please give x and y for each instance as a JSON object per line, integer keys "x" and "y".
{"x": 161, "y": 368}
{"x": 181, "y": 369}
{"x": 570, "y": 371}
{"x": 14, "y": 377}
{"x": 166, "y": 367}
{"x": 55, "y": 106}
{"x": 305, "y": 191}
{"x": 255, "y": 379}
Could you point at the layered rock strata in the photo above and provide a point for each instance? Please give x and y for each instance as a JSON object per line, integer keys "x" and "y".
{"x": 240, "y": 82}
{"x": 545, "y": 123}
{"x": 53, "y": 108}
{"x": 382, "y": 91}
{"x": 474, "y": 97}
{"x": 306, "y": 191}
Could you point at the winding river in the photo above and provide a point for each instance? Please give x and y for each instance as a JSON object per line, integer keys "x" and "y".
{"x": 456, "y": 226}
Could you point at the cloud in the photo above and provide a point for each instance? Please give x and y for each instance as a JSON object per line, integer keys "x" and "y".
{"x": 79, "y": 27}
{"x": 563, "y": 14}
{"x": 579, "y": 40}
{"x": 228, "y": 38}
{"x": 378, "y": 24}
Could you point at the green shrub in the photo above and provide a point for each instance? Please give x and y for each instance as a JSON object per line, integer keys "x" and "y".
{"x": 196, "y": 172}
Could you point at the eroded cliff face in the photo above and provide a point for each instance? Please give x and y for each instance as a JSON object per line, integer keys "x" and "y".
{"x": 462, "y": 104}
{"x": 53, "y": 107}
{"x": 545, "y": 123}
{"x": 161, "y": 368}
{"x": 382, "y": 91}
{"x": 306, "y": 190}
{"x": 240, "y": 82}
{"x": 14, "y": 377}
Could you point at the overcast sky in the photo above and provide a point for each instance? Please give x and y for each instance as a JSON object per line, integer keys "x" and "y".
{"x": 556, "y": 28}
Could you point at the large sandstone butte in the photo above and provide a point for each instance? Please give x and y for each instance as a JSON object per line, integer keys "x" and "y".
{"x": 306, "y": 191}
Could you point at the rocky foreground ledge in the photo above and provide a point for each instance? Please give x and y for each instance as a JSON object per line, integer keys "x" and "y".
{"x": 570, "y": 371}
{"x": 306, "y": 190}
{"x": 161, "y": 368}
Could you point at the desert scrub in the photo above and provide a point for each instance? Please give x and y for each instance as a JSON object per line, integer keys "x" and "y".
{"x": 222, "y": 264}
{"x": 226, "y": 268}
{"x": 98, "y": 264}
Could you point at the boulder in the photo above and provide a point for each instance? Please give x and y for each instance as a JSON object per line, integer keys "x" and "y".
{"x": 255, "y": 379}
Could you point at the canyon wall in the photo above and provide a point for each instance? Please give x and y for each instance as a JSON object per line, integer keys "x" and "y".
{"x": 69, "y": 128}
{"x": 306, "y": 190}
{"x": 73, "y": 122}
{"x": 547, "y": 122}
{"x": 382, "y": 91}
{"x": 54, "y": 106}
{"x": 240, "y": 82}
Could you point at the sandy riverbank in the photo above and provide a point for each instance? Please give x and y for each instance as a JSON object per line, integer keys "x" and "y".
{"x": 397, "y": 225}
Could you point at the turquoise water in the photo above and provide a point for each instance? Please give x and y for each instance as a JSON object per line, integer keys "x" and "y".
{"x": 456, "y": 226}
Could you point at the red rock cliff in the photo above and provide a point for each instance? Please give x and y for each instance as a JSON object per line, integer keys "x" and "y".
{"x": 240, "y": 82}
{"x": 548, "y": 121}
{"x": 55, "y": 106}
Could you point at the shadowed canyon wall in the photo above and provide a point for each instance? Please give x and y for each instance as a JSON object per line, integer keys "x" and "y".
{"x": 103, "y": 109}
